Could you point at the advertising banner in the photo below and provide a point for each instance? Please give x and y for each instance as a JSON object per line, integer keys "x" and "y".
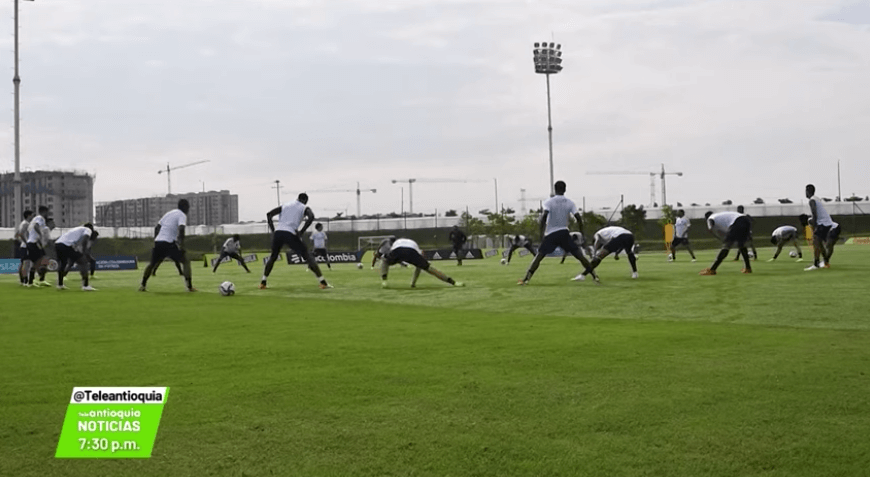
{"x": 334, "y": 257}
{"x": 9, "y": 265}
{"x": 114, "y": 262}
{"x": 447, "y": 254}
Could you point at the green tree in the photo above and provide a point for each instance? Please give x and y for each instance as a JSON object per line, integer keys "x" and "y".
{"x": 668, "y": 216}
{"x": 472, "y": 225}
{"x": 633, "y": 218}
{"x": 499, "y": 224}
{"x": 592, "y": 222}
{"x": 529, "y": 225}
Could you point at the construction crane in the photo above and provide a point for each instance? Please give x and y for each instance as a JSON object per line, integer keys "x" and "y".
{"x": 170, "y": 169}
{"x": 652, "y": 181}
{"x": 358, "y": 192}
{"x": 524, "y": 199}
{"x": 412, "y": 181}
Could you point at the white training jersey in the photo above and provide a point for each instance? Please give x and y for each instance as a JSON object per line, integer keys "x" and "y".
{"x": 21, "y": 233}
{"x": 784, "y": 231}
{"x": 560, "y": 210}
{"x": 74, "y": 237}
{"x": 319, "y": 239}
{"x": 681, "y": 228}
{"x": 232, "y": 245}
{"x": 605, "y": 235}
{"x": 170, "y": 224}
{"x": 720, "y": 223}
{"x": 385, "y": 246}
{"x": 406, "y": 243}
{"x": 822, "y": 216}
{"x": 36, "y": 226}
{"x": 291, "y": 216}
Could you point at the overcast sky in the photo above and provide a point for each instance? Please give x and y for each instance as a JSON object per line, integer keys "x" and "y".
{"x": 747, "y": 98}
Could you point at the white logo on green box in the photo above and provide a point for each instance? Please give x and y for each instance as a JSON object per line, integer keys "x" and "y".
{"x": 111, "y": 422}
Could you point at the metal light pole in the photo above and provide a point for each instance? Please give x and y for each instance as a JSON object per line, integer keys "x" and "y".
{"x": 277, "y": 188}
{"x": 16, "y": 179}
{"x": 548, "y": 61}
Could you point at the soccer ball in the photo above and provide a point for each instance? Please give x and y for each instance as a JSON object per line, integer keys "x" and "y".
{"x": 792, "y": 254}
{"x": 751, "y": 255}
{"x": 359, "y": 266}
{"x": 504, "y": 261}
{"x": 227, "y": 289}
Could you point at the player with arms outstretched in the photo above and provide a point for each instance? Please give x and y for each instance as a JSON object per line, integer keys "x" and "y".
{"x": 287, "y": 233}
{"x": 393, "y": 251}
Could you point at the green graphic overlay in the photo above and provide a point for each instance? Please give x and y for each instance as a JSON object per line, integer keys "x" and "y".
{"x": 116, "y": 423}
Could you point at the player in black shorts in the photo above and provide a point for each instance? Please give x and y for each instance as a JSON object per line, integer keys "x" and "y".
{"x": 520, "y": 241}
{"x": 458, "y": 239}
{"x": 394, "y": 251}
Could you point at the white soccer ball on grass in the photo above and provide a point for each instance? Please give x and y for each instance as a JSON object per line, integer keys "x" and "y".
{"x": 792, "y": 254}
{"x": 359, "y": 265}
{"x": 227, "y": 289}
{"x": 504, "y": 261}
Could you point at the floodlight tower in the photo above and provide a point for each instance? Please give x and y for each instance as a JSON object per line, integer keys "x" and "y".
{"x": 17, "y": 199}
{"x": 548, "y": 61}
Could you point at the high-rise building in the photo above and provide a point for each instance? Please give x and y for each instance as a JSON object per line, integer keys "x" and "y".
{"x": 69, "y": 196}
{"x": 206, "y": 208}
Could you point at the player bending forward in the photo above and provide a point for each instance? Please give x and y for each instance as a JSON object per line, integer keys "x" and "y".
{"x": 232, "y": 248}
{"x": 733, "y": 229}
{"x": 287, "y": 233}
{"x": 520, "y": 241}
{"x": 395, "y": 251}
{"x": 169, "y": 242}
{"x": 73, "y": 249}
{"x": 784, "y": 235}
{"x": 554, "y": 228}
{"x": 612, "y": 240}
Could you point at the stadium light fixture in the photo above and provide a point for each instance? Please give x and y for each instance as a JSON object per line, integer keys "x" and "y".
{"x": 548, "y": 61}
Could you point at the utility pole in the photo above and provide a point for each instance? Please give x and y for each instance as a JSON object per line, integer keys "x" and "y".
{"x": 278, "y": 188}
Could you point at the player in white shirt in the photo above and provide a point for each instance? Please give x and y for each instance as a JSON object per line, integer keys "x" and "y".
{"x": 70, "y": 249}
{"x": 37, "y": 239}
{"x": 21, "y": 245}
{"x": 169, "y": 243}
{"x": 822, "y": 225}
{"x": 733, "y": 229}
{"x": 287, "y": 233}
{"x": 609, "y": 240}
{"x": 784, "y": 235}
{"x": 394, "y": 251}
{"x": 520, "y": 241}
{"x": 232, "y": 248}
{"x": 318, "y": 239}
{"x": 554, "y": 228}
{"x": 681, "y": 235}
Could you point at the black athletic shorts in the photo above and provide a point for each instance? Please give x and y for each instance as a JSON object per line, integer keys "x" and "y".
{"x": 834, "y": 234}
{"x": 20, "y": 252}
{"x": 320, "y": 252}
{"x": 560, "y": 238}
{"x": 680, "y": 241}
{"x": 739, "y": 232}
{"x": 34, "y": 252}
{"x": 822, "y": 231}
{"x": 785, "y": 237}
{"x": 163, "y": 250}
{"x": 407, "y": 255}
{"x": 66, "y": 256}
{"x": 621, "y": 242}
{"x": 282, "y": 237}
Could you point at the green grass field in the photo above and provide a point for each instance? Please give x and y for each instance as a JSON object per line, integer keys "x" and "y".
{"x": 672, "y": 374}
